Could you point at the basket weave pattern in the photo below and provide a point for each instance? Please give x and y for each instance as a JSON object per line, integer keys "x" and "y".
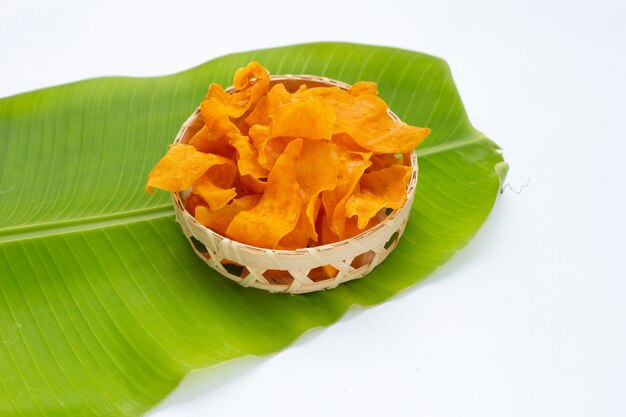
{"x": 352, "y": 258}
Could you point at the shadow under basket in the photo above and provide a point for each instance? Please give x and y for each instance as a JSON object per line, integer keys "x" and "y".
{"x": 301, "y": 270}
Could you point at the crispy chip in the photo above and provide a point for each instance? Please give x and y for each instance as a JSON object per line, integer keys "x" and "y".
{"x": 364, "y": 117}
{"x": 179, "y": 168}
{"x": 326, "y": 235}
{"x": 218, "y": 220}
{"x": 251, "y": 185}
{"x": 247, "y": 157}
{"x": 297, "y": 238}
{"x": 217, "y": 120}
{"x": 192, "y": 202}
{"x": 385, "y": 160}
{"x": 353, "y": 229}
{"x": 364, "y": 88}
{"x": 351, "y": 168}
{"x": 345, "y": 141}
{"x": 268, "y": 148}
{"x": 274, "y": 148}
{"x": 379, "y": 189}
{"x": 252, "y": 78}
{"x": 219, "y": 146}
{"x": 313, "y": 180}
{"x": 267, "y": 105}
{"x": 251, "y": 83}
{"x": 291, "y": 166}
{"x": 277, "y": 213}
{"x": 260, "y": 135}
{"x": 310, "y": 118}
{"x": 214, "y": 185}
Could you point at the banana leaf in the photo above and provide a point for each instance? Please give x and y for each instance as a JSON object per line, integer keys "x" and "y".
{"x": 104, "y": 307}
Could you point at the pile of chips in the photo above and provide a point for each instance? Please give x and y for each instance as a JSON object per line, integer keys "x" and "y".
{"x": 286, "y": 170}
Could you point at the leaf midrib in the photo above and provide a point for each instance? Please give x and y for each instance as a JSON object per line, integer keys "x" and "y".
{"x": 87, "y": 223}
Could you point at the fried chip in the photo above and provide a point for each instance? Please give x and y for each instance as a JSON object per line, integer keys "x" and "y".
{"x": 219, "y": 220}
{"x": 214, "y": 185}
{"x": 274, "y": 148}
{"x": 268, "y": 148}
{"x": 385, "y": 160}
{"x": 290, "y": 166}
{"x": 297, "y": 238}
{"x": 310, "y": 118}
{"x": 217, "y": 120}
{"x": 351, "y": 168}
{"x": 192, "y": 202}
{"x": 251, "y": 83}
{"x": 353, "y": 229}
{"x": 267, "y": 105}
{"x": 326, "y": 235}
{"x": 277, "y": 213}
{"x": 313, "y": 180}
{"x": 179, "y": 168}
{"x": 366, "y": 119}
{"x": 254, "y": 79}
{"x": 260, "y": 135}
{"x": 247, "y": 157}
{"x": 379, "y": 189}
{"x": 219, "y": 146}
{"x": 345, "y": 141}
{"x": 251, "y": 185}
{"x": 364, "y": 88}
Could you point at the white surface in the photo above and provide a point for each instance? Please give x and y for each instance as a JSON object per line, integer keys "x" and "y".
{"x": 530, "y": 318}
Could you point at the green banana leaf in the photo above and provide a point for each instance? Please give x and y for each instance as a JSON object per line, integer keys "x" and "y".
{"x": 104, "y": 307}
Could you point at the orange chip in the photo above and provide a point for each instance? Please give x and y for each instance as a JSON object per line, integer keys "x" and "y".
{"x": 364, "y": 117}
{"x": 217, "y": 92}
{"x": 260, "y": 135}
{"x": 385, "y": 160}
{"x": 267, "y": 105}
{"x": 277, "y": 213}
{"x": 297, "y": 238}
{"x": 251, "y": 185}
{"x": 379, "y": 189}
{"x": 218, "y": 220}
{"x": 192, "y": 202}
{"x": 291, "y": 166}
{"x": 214, "y": 185}
{"x": 259, "y": 115}
{"x": 311, "y": 118}
{"x": 353, "y": 229}
{"x": 364, "y": 88}
{"x": 251, "y": 83}
{"x": 179, "y": 168}
{"x": 268, "y": 148}
{"x": 219, "y": 146}
{"x": 247, "y": 157}
{"x": 390, "y": 138}
{"x": 313, "y": 180}
{"x": 216, "y": 118}
{"x": 252, "y": 78}
{"x": 345, "y": 141}
{"x": 326, "y": 235}
{"x": 351, "y": 168}
{"x": 274, "y": 148}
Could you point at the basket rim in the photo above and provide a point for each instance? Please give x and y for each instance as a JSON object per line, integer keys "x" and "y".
{"x": 178, "y": 199}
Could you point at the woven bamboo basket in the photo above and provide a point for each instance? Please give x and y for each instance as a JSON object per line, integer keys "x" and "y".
{"x": 301, "y": 270}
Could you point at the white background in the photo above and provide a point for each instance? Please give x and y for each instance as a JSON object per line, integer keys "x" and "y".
{"x": 530, "y": 318}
